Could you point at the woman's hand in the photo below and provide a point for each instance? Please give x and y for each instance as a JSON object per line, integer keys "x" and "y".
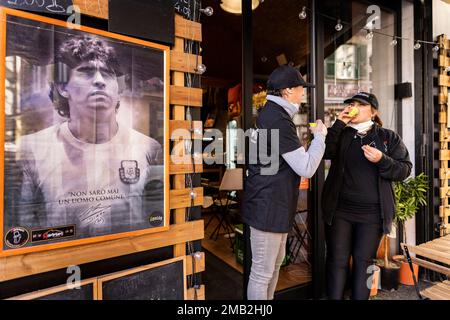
{"x": 343, "y": 116}
{"x": 319, "y": 128}
{"x": 372, "y": 154}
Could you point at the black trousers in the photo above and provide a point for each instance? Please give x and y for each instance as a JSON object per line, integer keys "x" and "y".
{"x": 344, "y": 238}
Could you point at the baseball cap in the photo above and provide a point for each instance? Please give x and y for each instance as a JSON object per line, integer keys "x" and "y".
{"x": 286, "y": 76}
{"x": 364, "y": 97}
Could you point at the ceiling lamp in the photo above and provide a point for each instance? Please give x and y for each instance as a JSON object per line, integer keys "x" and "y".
{"x": 234, "y": 6}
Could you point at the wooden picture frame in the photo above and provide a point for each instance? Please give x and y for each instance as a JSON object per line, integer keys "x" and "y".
{"x": 53, "y": 293}
{"x": 129, "y": 170}
{"x": 121, "y": 275}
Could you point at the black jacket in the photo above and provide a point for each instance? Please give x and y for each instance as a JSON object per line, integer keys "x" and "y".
{"x": 393, "y": 166}
{"x": 270, "y": 201}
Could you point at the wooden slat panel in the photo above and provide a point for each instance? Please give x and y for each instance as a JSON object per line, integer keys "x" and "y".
{"x": 187, "y": 29}
{"x": 444, "y": 80}
{"x": 444, "y": 155}
{"x": 186, "y": 125}
{"x": 199, "y": 264}
{"x": 443, "y": 192}
{"x": 184, "y": 62}
{"x": 185, "y": 96}
{"x": 185, "y": 168}
{"x": 444, "y": 136}
{"x": 178, "y": 80}
{"x": 179, "y": 158}
{"x": 186, "y": 160}
{"x": 97, "y": 8}
{"x": 200, "y": 293}
{"x": 183, "y": 164}
{"x": 444, "y": 211}
{"x": 33, "y": 263}
{"x": 182, "y": 198}
{"x": 442, "y": 117}
{"x": 179, "y": 181}
{"x": 442, "y": 98}
{"x": 443, "y": 42}
{"x": 444, "y": 61}
{"x": 444, "y": 174}
{"x": 444, "y": 120}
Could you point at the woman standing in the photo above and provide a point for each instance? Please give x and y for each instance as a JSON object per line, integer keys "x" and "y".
{"x": 271, "y": 196}
{"x": 358, "y": 199}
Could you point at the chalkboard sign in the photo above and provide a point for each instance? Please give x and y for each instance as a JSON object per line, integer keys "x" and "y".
{"x": 164, "y": 280}
{"x": 187, "y": 8}
{"x": 151, "y": 20}
{"x": 47, "y": 6}
{"x": 87, "y": 291}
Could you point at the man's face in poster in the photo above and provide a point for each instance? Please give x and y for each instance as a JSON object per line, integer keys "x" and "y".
{"x": 92, "y": 91}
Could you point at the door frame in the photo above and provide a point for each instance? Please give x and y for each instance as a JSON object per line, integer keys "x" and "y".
{"x": 316, "y": 99}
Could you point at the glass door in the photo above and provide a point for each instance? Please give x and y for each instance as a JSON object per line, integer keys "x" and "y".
{"x": 281, "y": 37}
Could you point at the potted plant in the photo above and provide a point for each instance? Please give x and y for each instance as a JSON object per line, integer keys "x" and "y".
{"x": 389, "y": 268}
{"x": 409, "y": 196}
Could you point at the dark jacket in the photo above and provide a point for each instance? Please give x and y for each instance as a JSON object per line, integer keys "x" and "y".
{"x": 270, "y": 201}
{"x": 393, "y": 166}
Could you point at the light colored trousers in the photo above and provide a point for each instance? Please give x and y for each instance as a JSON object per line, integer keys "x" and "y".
{"x": 268, "y": 251}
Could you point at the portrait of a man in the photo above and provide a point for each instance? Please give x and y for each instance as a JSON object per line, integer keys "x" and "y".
{"x": 92, "y": 172}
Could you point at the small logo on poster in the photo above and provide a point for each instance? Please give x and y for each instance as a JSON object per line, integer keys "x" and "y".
{"x": 17, "y": 237}
{"x": 156, "y": 219}
{"x": 129, "y": 171}
{"x": 54, "y": 233}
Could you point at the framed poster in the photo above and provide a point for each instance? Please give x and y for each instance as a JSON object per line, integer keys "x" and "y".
{"x": 164, "y": 280}
{"x": 84, "y": 114}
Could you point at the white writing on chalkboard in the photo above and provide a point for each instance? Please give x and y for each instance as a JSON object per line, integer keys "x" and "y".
{"x": 185, "y": 7}
{"x": 51, "y": 6}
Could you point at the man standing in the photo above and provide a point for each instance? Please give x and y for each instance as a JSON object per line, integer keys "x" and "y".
{"x": 89, "y": 172}
{"x": 270, "y": 199}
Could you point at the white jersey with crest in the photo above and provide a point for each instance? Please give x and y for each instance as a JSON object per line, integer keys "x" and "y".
{"x": 102, "y": 188}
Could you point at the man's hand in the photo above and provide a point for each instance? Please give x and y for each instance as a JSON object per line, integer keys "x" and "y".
{"x": 343, "y": 116}
{"x": 372, "y": 154}
{"x": 320, "y": 128}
